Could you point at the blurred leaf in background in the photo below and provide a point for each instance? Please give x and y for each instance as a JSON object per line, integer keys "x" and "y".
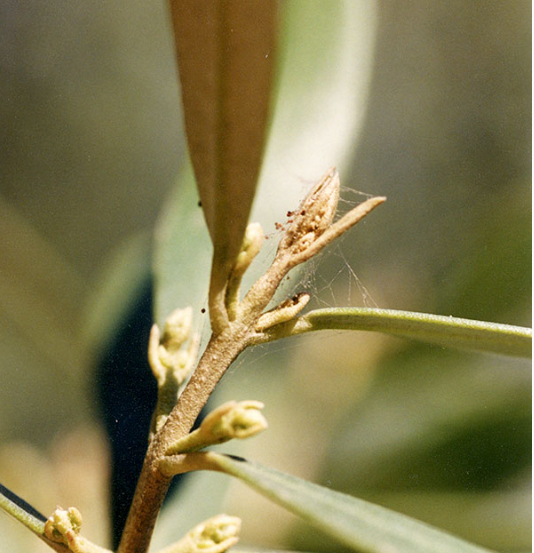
{"x": 90, "y": 145}
{"x": 442, "y": 436}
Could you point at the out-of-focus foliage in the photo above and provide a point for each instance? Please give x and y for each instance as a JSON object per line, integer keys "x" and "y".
{"x": 90, "y": 142}
{"x": 90, "y": 145}
{"x": 73, "y": 470}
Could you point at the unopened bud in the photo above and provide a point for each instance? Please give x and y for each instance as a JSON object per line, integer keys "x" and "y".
{"x": 61, "y": 523}
{"x": 215, "y": 535}
{"x": 171, "y": 359}
{"x": 177, "y": 329}
{"x": 314, "y": 215}
{"x": 236, "y": 420}
{"x": 64, "y": 525}
{"x": 250, "y": 248}
{"x": 283, "y": 312}
{"x": 231, "y": 420}
{"x": 166, "y": 353}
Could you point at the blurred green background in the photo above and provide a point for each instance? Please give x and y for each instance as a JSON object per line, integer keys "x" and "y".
{"x": 91, "y": 147}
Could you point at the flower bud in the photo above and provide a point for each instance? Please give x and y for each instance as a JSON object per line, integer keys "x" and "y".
{"x": 214, "y": 535}
{"x": 283, "y": 312}
{"x": 166, "y": 353}
{"x": 63, "y": 526}
{"x": 61, "y": 523}
{"x": 236, "y": 420}
{"x": 314, "y": 215}
{"x": 250, "y": 248}
{"x": 231, "y": 420}
{"x": 177, "y": 329}
{"x": 171, "y": 361}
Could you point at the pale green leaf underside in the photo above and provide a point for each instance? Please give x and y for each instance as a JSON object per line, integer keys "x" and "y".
{"x": 366, "y": 527}
{"x": 436, "y": 329}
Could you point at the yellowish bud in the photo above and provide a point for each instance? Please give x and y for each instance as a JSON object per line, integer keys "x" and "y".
{"x": 214, "y": 535}
{"x": 177, "y": 329}
{"x": 250, "y": 248}
{"x": 64, "y": 526}
{"x": 231, "y": 420}
{"x": 235, "y": 420}
{"x": 167, "y": 354}
{"x": 61, "y": 523}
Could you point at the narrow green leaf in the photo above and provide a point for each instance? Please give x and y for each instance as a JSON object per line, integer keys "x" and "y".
{"x": 437, "y": 329}
{"x": 22, "y": 511}
{"x": 364, "y": 526}
{"x": 225, "y": 54}
{"x": 472, "y": 513}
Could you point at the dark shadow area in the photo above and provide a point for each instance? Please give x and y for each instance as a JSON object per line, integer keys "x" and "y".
{"x": 127, "y": 396}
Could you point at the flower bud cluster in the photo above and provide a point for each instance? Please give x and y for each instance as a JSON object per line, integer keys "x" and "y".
{"x": 166, "y": 353}
{"x": 62, "y": 523}
{"x": 64, "y": 526}
{"x": 171, "y": 359}
{"x": 231, "y": 420}
{"x": 215, "y": 535}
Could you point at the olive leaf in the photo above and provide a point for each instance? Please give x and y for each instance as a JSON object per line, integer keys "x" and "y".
{"x": 361, "y": 525}
{"x": 225, "y": 53}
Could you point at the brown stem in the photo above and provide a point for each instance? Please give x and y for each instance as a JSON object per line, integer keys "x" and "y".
{"x": 153, "y": 484}
{"x": 218, "y": 356}
{"x": 149, "y": 494}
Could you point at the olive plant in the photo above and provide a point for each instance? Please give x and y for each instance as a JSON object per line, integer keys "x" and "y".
{"x": 226, "y": 53}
